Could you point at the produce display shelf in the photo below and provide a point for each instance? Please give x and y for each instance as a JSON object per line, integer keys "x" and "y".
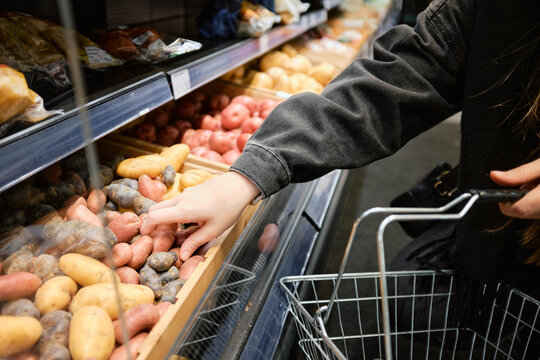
{"x": 331, "y": 4}
{"x": 29, "y": 151}
{"x": 194, "y": 74}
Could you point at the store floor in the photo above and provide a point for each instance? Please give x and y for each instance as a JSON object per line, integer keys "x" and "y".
{"x": 376, "y": 185}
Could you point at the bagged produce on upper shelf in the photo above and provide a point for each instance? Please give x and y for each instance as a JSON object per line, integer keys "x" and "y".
{"x": 142, "y": 44}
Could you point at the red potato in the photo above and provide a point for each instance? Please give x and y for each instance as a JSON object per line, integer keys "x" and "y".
{"x": 162, "y": 307}
{"x": 191, "y": 139}
{"x": 25, "y": 355}
{"x": 233, "y": 116}
{"x": 247, "y": 101}
{"x": 72, "y": 201}
{"x": 204, "y": 136}
{"x": 178, "y": 261}
{"x": 141, "y": 249}
{"x": 18, "y": 285}
{"x": 219, "y": 101}
{"x": 125, "y": 227}
{"x": 269, "y": 238}
{"x": 167, "y": 136}
{"x": 251, "y": 125}
{"x": 148, "y": 189}
{"x": 163, "y": 237}
{"x": 242, "y": 140}
{"x": 185, "y": 109}
{"x": 230, "y": 156}
{"x": 182, "y": 125}
{"x": 127, "y": 275}
{"x": 207, "y": 122}
{"x": 111, "y": 215}
{"x": 212, "y": 155}
{"x": 199, "y": 150}
{"x": 51, "y": 174}
{"x": 220, "y": 142}
{"x": 197, "y": 96}
{"x": 160, "y": 117}
{"x": 96, "y": 201}
{"x": 82, "y": 213}
{"x": 189, "y": 266}
{"x": 122, "y": 254}
{"x": 136, "y": 319}
{"x": 265, "y": 113}
{"x": 121, "y": 352}
{"x": 161, "y": 186}
{"x": 182, "y": 235}
{"x": 145, "y": 131}
{"x": 204, "y": 249}
{"x": 267, "y": 104}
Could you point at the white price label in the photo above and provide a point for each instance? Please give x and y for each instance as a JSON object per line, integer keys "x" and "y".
{"x": 181, "y": 83}
{"x": 263, "y": 43}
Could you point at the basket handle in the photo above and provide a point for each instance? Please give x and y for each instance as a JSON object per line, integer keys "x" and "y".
{"x": 412, "y": 214}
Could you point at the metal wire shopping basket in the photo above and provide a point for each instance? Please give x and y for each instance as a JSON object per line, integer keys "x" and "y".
{"x": 407, "y": 314}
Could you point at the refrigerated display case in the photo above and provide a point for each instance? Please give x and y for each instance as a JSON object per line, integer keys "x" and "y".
{"x": 242, "y": 313}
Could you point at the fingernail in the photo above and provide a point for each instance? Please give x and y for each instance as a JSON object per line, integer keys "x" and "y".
{"x": 185, "y": 255}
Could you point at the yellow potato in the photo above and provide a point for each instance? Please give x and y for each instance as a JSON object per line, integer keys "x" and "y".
{"x": 55, "y": 294}
{"x": 105, "y": 296}
{"x": 289, "y": 50}
{"x": 273, "y": 58}
{"x": 18, "y": 333}
{"x": 194, "y": 177}
{"x": 133, "y": 168}
{"x": 262, "y": 80}
{"x": 157, "y": 158}
{"x": 86, "y": 270}
{"x": 323, "y": 72}
{"x": 176, "y": 155}
{"x": 91, "y": 334}
{"x": 300, "y": 63}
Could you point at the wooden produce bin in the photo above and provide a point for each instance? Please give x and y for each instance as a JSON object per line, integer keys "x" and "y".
{"x": 164, "y": 334}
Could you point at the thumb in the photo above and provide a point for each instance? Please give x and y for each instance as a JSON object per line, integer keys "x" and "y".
{"x": 517, "y": 176}
{"x": 196, "y": 240}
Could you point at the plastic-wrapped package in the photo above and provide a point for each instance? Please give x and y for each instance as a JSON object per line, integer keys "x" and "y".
{"x": 143, "y": 45}
{"x": 17, "y": 101}
{"x": 255, "y": 20}
{"x": 290, "y": 10}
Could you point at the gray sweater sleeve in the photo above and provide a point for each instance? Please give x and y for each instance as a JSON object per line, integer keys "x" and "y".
{"x": 372, "y": 108}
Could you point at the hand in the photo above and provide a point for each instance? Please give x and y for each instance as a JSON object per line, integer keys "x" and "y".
{"x": 526, "y": 176}
{"x": 215, "y": 204}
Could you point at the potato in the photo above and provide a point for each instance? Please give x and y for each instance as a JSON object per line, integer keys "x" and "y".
{"x": 273, "y": 58}
{"x": 161, "y": 261}
{"x": 297, "y": 82}
{"x": 82, "y": 213}
{"x": 91, "y": 334}
{"x": 155, "y": 157}
{"x": 167, "y": 175}
{"x": 121, "y": 352}
{"x": 312, "y": 85}
{"x": 46, "y": 267}
{"x": 275, "y": 72}
{"x": 283, "y": 83}
{"x": 55, "y": 294}
{"x": 194, "y": 177}
{"x": 18, "y": 285}
{"x": 262, "y": 80}
{"x": 170, "y": 275}
{"x": 122, "y": 254}
{"x": 21, "y": 307}
{"x": 133, "y": 168}
{"x": 300, "y": 63}
{"x": 136, "y": 319}
{"x": 141, "y": 248}
{"x": 86, "y": 270}
{"x": 55, "y": 334}
{"x": 150, "y": 278}
{"x": 145, "y": 131}
{"x": 173, "y": 190}
{"x": 128, "y": 275}
{"x": 149, "y": 190}
{"x": 18, "y": 333}
{"x": 105, "y": 296}
{"x": 55, "y": 351}
{"x": 163, "y": 237}
{"x": 96, "y": 201}
{"x": 234, "y": 114}
{"x": 289, "y": 50}
{"x": 125, "y": 227}
{"x": 171, "y": 289}
{"x": 19, "y": 261}
{"x": 128, "y": 198}
{"x": 175, "y": 155}
{"x": 323, "y": 72}
{"x": 189, "y": 266}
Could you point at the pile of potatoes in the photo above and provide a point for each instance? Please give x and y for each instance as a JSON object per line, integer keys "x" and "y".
{"x": 215, "y": 127}
{"x": 59, "y": 298}
{"x": 284, "y": 70}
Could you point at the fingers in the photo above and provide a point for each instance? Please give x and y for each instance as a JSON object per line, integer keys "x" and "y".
{"x": 168, "y": 215}
{"x": 527, "y": 207}
{"x": 164, "y": 204}
{"x": 196, "y": 240}
{"x": 521, "y": 175}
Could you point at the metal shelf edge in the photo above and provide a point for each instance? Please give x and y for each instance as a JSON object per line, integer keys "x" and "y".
{"x": 194, "y": 75}
{"x": 35, "y": 150}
